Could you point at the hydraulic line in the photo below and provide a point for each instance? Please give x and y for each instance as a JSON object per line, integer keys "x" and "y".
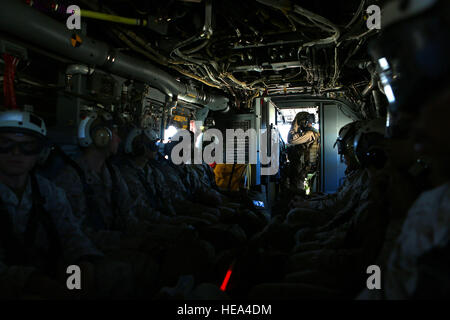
{"x": 155, "y": 59}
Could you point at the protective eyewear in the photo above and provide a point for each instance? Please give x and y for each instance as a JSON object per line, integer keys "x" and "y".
{"x": 25, "y": 148}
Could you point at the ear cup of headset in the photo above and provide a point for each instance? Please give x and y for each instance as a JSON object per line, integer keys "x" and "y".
{"x": 377, "y": 158}
{"x": 368, "y": 151}
{"x": 303, "y": 123}
{"x": 101, "y": 137}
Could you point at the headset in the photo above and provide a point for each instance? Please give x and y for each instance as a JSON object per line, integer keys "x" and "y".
{"x": 367, "y": 144}
{"x": 345, "y": 139}
{"x": 303, "y": 118}
{"x": 99, "y": 135}
{"x": 135, "y": 141}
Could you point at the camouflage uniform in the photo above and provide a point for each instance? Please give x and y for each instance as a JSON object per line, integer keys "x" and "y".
{"x": 201, "y": 176}
{"x": 313, "y": 152}
{"x": 170, "y": 179}
{"x": 326, "y": 208}
{"x": 112, "y": 222}
{"x": 172, "y": 183}
{"x": 143, "y": 190}
{"x": 74, "y": 243}
{"x": 121, "y": 237}
{"x": 157, "y": 178}
{"x": 333, "y": 260}
{"x": 202, "y": 184}
{"x": 425, "y": 228}
{"x": 302, "y": 154}
{"x": 177, "y": 245}
{"x": 349, "y": 243}
{"x": 365, "y": 196}
{"x": 296, "y": 138}
{"x": 354, "y": 182}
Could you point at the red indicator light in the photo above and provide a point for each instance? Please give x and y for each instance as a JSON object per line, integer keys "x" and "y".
{"x": 223, "y": 287}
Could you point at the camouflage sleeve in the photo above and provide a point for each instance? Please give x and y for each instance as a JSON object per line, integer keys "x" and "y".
{"x": 70, "y": 182}
{"x": 291, "y": 135}
{"x": 327, "y": 202}
{"x": 127, "y": 205}
{"x": 352, "y": 185}
{"x": 74, "y": 242}
{"x": 424, "y": 229}
{"x": 199, "y": 181}
{"x": 143, "y": 208}
{"x": 211, "y": 175}
{"x": 158, "y": 183}
{"x": 133, "y": 184}
{"x": 298, "y": 138}
{"x": 324, "y": 204}
{"x": 184, "y": 175}
{"x": 189, "y": 177}
{"x": 332, "y": 201}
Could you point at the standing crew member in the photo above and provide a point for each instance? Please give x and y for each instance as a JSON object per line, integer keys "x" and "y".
{"x": 303, "y": 150}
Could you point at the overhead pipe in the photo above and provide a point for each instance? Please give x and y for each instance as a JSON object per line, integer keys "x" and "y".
{"x": 79, "y": 69}
{"x": 31, "y": 25}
